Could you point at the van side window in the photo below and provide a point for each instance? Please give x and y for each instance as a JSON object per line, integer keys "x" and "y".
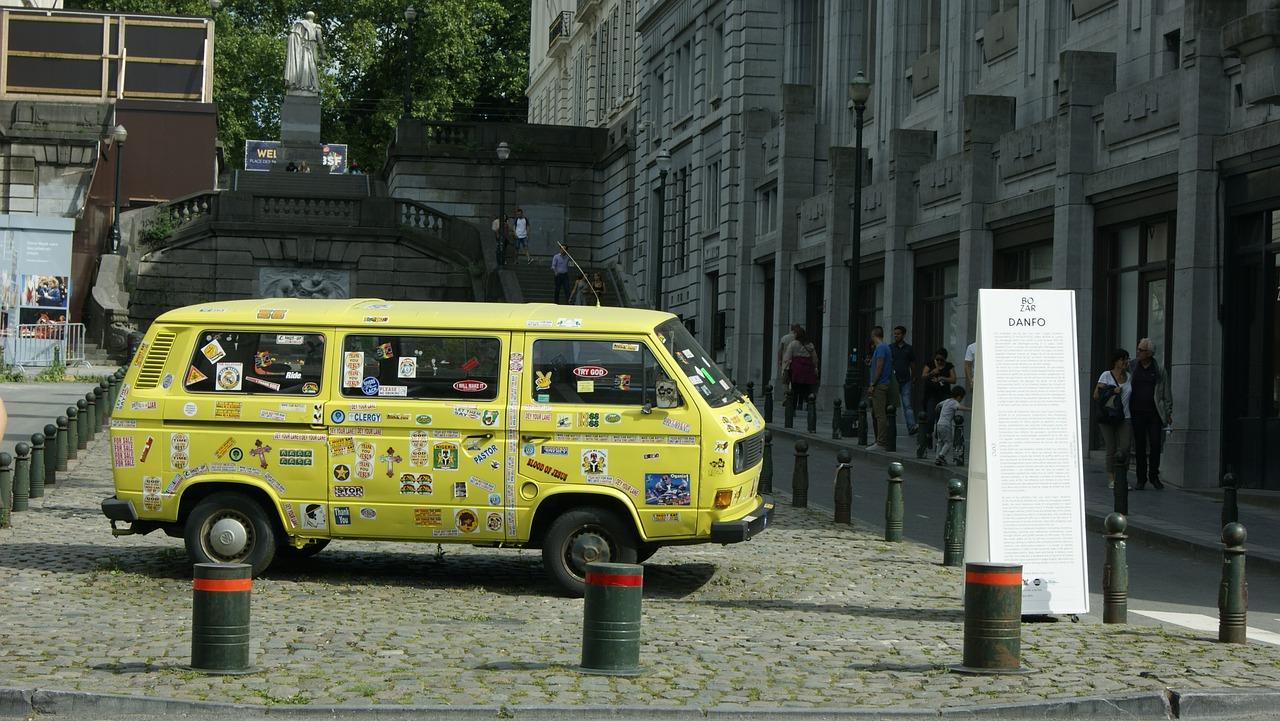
{"x": 420, "y": 366}
{"x": 594, "y": 372}
{"x": 255, "y": 363}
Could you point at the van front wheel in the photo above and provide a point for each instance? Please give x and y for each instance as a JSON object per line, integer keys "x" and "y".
{"x": 581, "y": 536}
{"x": 230, "y": 528}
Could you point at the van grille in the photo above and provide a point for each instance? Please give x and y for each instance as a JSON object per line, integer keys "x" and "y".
{"x": 750, "y": 452}
{"x": 153, "y": 364}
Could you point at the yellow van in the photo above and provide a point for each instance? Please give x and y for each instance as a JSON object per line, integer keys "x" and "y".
{"x": 259, "y": 429}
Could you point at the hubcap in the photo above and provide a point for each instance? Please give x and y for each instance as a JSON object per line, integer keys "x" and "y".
{"x": 588, "y": 548}
{"x": 228, "y": 537}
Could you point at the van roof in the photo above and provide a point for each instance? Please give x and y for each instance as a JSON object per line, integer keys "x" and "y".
{"x": 415, "y": 314}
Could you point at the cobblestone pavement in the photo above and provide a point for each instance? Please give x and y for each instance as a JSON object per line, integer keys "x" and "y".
{"x": 806, "y": 616}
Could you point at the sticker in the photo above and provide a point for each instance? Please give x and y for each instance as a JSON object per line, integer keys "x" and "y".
{"x": 665, "y": 517}
{"x": 151, "y": 493}
{"x": 568, "y": 322}
{"x": 293, "y": 407}
{"x": 146, "y": 449}
{"x": 495, "y": 499}
{"x": 342, "y": 515}
{"x": 122, "y": 452}
{"x": 341, "y": 446}
{"x": 407, "y": 367}
{"x": 229, "y": 375}
{"x": 613, "y": 418}
{"x": 368, "y": 514}
{"x": 265, "y": 384}
{"x": 342, "y": 473}
{"x": 142, "y": 406}
{"x": 624, "y": 381}
{"x": 282, "y": 339}
{"x": 666, "y": 489}
{"x": 564, "y": 421}
{"x": 270, "y": 415}
{"x": 291, "y": 515}
{"x": 555, "y": 473}
{"x": 422, "y": 419}
{"x": 166, "y": 381}
{"x": 586, "y": 386}
{"x": 716, "y": 467}
{"x": 542, "y": 381}
{"x": 272, "y": 313}
{"x": 411, "y": 484}
{"x": 235, "y": 454}
{"x": 668, "y": 396}
{"x": 467, "y": 520}
{"x": 390, "y": 458}
{"x": 590, "y": 372}
{"x": 352, "y": 369}
{"x": 444, "y": 457}
{"x": 366, "y": 417}
{"x": 515, "y": 363}
{"x": 626, "y": 346}
{"x": 490, "y": 418}
{"x": 310, "y": 388}
{"x": 482, "y": 484}
{"x": 226, "y": 446}
{"x": 538, "y": 324}
{"x": 213, "y": 351}
{"x": 677, "y": 425}
{"x": 377, "y": 306}
{"x": 470, "y": 363}
{"x": 375, "y": 319}
{"x": 459, "y": 489}
{"x": 470, "y": 386}
{"x": 493, "y": 522}
{"x": 429, "y": 517}
{"x": 555, "y": 450}
{"x": 538, "y": 416}
{"x": 124, "y": 391}
{"x": 337, "y": 416}
{"x": 188, "y": 409}
{"x": 595, "y": 461}
{"x": 369, "y": 386}
{"x": 652, "y": 456}
{"x": 588, "y": 419}
{"x": 395, "y": 392}
{"x": 260, "y": 450}
{"x": 294, "y": 457}
{"x": 722, "y": 447}
{"x": 365, "y": 451}
{"x": 226, "y": 409}
{"x": 121, "y": 423}
{"x": 348, "y": 491}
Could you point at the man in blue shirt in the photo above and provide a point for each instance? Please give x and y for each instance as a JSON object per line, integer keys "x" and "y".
{"x": 881, "y": 368}
{"x": 904, "y": 369}
{"x": 560, "y": 266}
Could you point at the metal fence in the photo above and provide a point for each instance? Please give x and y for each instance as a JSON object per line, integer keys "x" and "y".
{"x": 34, "y": 344}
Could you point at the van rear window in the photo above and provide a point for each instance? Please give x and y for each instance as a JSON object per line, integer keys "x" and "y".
{"x": 254, "y": 363}
{"x": 420, "y": 366}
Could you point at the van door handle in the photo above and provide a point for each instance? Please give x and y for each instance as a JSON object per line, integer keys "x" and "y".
{"x": 530, "y": 439}
{"x": 481, "y": 436}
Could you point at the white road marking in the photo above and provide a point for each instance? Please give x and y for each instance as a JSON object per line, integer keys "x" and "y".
{"x": 1201, "y": 622}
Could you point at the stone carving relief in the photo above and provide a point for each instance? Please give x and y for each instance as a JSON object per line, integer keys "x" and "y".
{"x": 303, "y": 283}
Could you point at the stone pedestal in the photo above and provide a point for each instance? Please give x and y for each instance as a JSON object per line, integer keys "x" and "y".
{"x": 300, "y": 133}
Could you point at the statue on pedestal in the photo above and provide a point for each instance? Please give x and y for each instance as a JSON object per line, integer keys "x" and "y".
{"x": 306, "y": 50}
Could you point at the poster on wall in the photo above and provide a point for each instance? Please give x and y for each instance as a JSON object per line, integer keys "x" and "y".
{"x": 35, "y": 275}
{"x": 262, "y": 154}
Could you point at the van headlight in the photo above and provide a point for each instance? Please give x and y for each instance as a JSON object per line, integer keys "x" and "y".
{"x": 739, "y": 457}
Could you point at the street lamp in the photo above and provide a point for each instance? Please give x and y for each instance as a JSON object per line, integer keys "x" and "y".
{"x": 504, "y": 152}
{"x": 659, "y": 243}
{"x": 409, "y": 16}
{"x": 859, "y": 92}
{"x": 214, "y": 6}
{"x": 119, "y": 135}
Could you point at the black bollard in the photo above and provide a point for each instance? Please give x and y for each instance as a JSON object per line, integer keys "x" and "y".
{"x": 114, "y": 381}
{"x": 91, "y": 414}
{"x": 6, "y": 487}
{"x": 220, "y": 618}
{"x": 50, "y": 454}
{"x": 99, "y": 404}
{"x": 37, "y": 465}
{"x": 958, "y": 429}
{"x": 1230, "y": 501}
{"x": 992, "y": 618}
{"x": 73, "y": 433}
{"x": 893, "y": 506}
{"x": 1120, "y": 489}
{"x": 1115, "y": 572}
{"x": 766, "y": 465}
{"x": 21, "y": 476}
{"x": 811, "y": 420}
{"x": 953, "y": 530}
{"x": 922, "y": 435}
{"x": 891, "y": 432}
{"x": 1233, "y": 594}
{"x": 105, "y": 402}
{"x": 800, "y": 477}
{"x": 64, "y": 446}
{"x": 768, "y": 403}
{"x": 611, "y": 619}
{"x": 788, "y": 409}
{"x": 860, "y": 420}
{"x": 751, "y": 391}
{"x": 835, "y": 421}
{"x": 844, "y": 487}
{"x": 82, "y": 424}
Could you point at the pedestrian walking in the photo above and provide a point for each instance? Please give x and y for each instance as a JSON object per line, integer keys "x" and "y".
{"x": 904, "y": 370}
{"x": 937, "y": 378}
{"x": 878, "y": 389}
{"x": 800, "y": 367}
{"x": 782, "y": 348}
{"x": 1115, "y": 435}
{"x": 521, "y": 227}
{"x": 560, "y": 267}
{"x": 1150, "y": 412}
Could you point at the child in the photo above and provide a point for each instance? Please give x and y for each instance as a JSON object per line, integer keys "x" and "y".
{"x": 944, "y": 431}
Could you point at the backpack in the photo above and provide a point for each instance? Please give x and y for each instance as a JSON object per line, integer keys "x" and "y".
{"x": 1110, "y": 405}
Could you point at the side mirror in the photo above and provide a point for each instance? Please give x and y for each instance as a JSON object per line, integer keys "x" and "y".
{"x": 647, "y": 408}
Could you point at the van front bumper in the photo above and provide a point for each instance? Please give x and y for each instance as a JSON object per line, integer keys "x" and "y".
{"x": 746, "y": 527}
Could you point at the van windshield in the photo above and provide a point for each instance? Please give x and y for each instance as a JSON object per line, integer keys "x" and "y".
{"x": 696, "y": 364}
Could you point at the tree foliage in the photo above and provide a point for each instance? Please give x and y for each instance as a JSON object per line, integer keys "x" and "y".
{"x": 469, "y": 58}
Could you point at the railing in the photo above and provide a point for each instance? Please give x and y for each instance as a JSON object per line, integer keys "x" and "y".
{"x": 459, "y": 236}
{"x": 34, "y": 344}
{"x": 561, "y": 27}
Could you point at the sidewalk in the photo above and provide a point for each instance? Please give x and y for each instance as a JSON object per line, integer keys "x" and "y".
{"x": 1173, "y": 518}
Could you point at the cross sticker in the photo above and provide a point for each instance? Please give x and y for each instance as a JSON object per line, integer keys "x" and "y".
{"x": 260, "y": 451}
{"x": 390, "y": 458}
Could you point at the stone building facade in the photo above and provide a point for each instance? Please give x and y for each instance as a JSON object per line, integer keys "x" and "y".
{"x": 1127, "y": 151}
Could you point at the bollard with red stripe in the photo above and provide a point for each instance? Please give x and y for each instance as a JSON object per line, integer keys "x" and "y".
{"x": 611, "y": 619}
{"x": 220, "y": 618}
{"x": 992, "y": 618}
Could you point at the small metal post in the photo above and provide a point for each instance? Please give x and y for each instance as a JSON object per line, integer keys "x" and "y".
{"x": 21, "y": 476}
{"x": 1233, "y": 594}
{"x": 811, "y": 422}
{"x": 114, "y": 380}
{"x": 835, "y": 421}
{"x": 922, "y": 436}
{"x": 91, "y": 415}
{"x": 788, "y": 409}
{"x": 1230, "y": 502}
{"x": 1115, "y": 572}
{"x": 893, "y": 506}
{"x": 105, "y": 402}
{"x": 844, "y": 487}
{"x": 73, "y": 432}
{"x": 860, "y": 420}
{"x": 1120, "y": 488}
{"x": 959, "y": 439}
{"x": 37, "y": 465}
{"x": 99, "y": 404}
{"x": 64, "y": 446}
{"x": 220, "y": 618}
{"x": 83, "y": 430}
{"x": 800, "y": 477}
{"x": 953, "y": 530}
{"x": 891, "y": 432}
{"x": 766, "y": 467}
{"x": 611, "y": 618}
{"x": 751, "y": 391}
{"x": 50, "y": 454}
{"x": 6, "y": 487}
{"x": 768, "y": 403}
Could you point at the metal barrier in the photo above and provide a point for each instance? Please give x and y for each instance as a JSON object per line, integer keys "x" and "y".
{"x": 34, "y": 344}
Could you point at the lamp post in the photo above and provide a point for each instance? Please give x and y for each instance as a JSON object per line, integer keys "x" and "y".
{"x": 214, "y": 6}
{"x": 663, "y": 162}
{"x": 504, "y": 152}
{"x": 859, "y": 92}
{"x": 409, "y": 16}
{"x": 119, "y": 135}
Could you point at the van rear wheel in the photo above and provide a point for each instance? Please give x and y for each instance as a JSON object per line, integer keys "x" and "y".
{"x": 230, "y": 527}
{"x": 581, "y": 536}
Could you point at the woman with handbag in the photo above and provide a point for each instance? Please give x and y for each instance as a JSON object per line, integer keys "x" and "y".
{"x": 936, "y": 378}
{"x": 1113, "y": 390}
{"x": 800, "y": 367}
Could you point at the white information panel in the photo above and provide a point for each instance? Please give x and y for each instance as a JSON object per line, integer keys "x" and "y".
{"x": 1026, "y": 478}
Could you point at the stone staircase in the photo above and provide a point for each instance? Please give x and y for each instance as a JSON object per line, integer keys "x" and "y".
{"x": 535, "y": 283}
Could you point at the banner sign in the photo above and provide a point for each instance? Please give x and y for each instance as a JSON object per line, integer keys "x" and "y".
{"x": 260, "y": 154}
{"x": 35, "y": 270}
{"x": 1026, "y": 473}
